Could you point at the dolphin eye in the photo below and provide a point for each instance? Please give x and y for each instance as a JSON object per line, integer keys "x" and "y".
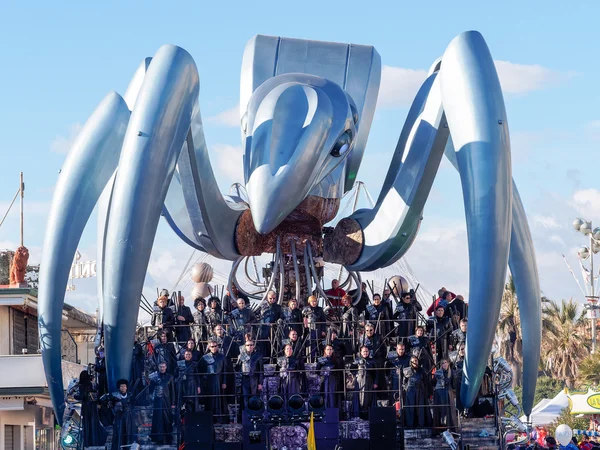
{"x": 342, "y": 145}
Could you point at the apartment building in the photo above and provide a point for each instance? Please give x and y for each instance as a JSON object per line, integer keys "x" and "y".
{"x": 26, "y": 416}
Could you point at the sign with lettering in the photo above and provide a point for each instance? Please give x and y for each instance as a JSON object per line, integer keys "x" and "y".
{"x": 84, "y": 269}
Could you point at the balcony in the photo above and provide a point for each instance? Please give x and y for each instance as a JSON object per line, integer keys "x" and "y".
{"x": 24, "y": 374}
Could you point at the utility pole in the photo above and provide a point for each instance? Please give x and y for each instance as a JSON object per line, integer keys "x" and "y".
{"x": 22, "y": 189}
{"x": 585, "y": 227}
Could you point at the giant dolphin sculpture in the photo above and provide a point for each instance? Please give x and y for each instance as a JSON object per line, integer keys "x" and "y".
{"x": 306, "y": 111}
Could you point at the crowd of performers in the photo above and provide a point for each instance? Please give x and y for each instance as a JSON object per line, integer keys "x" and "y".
{"x": 361, "y": 353}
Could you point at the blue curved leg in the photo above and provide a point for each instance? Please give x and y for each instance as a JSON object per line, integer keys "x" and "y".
{"x": 88, "y": 167}
{"x": 157, "y": 130}
{"x": 474, "y": 107}
{"x": 523, "y": 267}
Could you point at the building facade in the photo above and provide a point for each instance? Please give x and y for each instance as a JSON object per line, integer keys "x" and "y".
{"x": 26, "y": 417}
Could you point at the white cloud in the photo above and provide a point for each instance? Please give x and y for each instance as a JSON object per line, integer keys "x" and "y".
{"x": 228, "y": 162}
{"x": 399, "y": 86}
{"x": 587, "y": 202}
{"x": 30, "y": 208}
{"x": 439, "y": 255}
{"x": 63, "y": 144}
{"x": 546, "y": 222}
{"x": 164, "y": 266}
{"x": 228, "y": 118}
{"x": 522, "y": 78}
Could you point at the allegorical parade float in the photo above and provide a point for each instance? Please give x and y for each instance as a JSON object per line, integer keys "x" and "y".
{"x": 274, "y": 359}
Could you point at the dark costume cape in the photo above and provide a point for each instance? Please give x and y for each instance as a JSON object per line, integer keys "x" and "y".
{"x": 93, "y": 431}
{"x": 330, "y": 381}
{"x": 212, "y": 367}
{"x": 182, "y": 328}
{"x": 162, "y": 390}
{"x": 442, "y": 411}
{"x": 416, "y": 413}
{"x": 365, "y": 375}
{"x": 124, "y": 427}
{"x": 290, "y": 375}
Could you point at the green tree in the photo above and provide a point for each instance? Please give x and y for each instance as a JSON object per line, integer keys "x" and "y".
{"x": 546, "y": 388}
{"x": 588, "y": 372}
{"x": 564, "y": 344}
{"x": 575, "y": 423}
{"x": 509, "y": 331}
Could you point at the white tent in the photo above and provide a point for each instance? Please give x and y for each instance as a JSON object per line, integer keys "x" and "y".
{"x": 547, "y": 410}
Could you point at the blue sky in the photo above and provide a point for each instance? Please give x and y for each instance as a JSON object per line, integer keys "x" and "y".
{"x": 59, "y": 62}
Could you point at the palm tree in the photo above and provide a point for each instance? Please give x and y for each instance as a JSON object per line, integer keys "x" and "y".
{"x": 564, "y": 344}
{"x": 588, "y": 372}
{"x": 509, "y": 331}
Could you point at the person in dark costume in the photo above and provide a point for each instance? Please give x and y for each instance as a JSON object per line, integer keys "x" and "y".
{"x": 458, "y": 309}
{"x": 349, "y": 322}
{"x": 124, "y": 428}
{"x": 377, "y": 350}
{"x": 230, "y": 350}
{"x": 250, "y": 365}
{"x": 457, "y": 373}
{"x": 100, "y": 368}
{"x": 298, "y": 347}
{"x": 442, "y": 400}
{"x": 214, "y": 313}
{"x": 164, "y": 351}
{"x": 415, "y": 382}
{"x": 406, "y": 314}
{"x": 93, "y": 432}
{"x": 374, "y": 342}
{"x": 191, "y": 346}
{"x": 212, "y": 367}
{"x": 340, "y": 348}
{"x": 188, "y": 383}
{"x": 291, "y": 372}
{"x": 200, "y": 326}
{"x": 440, "y": 328}
{"x": 163, "y": 318}
{"x": 241, "y": 320}
{"x": 459, "y": 336}
{"x": 314, "y": 323}
{"x": 330, "y": 377}
{"x": 293, "y": 318}
{"x": 183, "y": 319}
{"x": 230, "y": 299}
{"x": 162, "y": 389}
{"x": 395, "y": 366}
{"x": 377, "y": 313}
{"x": 419, "y": 346}
{"x": 365, "y": 379}
{"x": 271, "y": 313}
{"x": 137, "y": 369}
{"x": 361, "y": 305}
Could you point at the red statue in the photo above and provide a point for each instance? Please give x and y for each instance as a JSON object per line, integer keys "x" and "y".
{"x": 19, "y": 266}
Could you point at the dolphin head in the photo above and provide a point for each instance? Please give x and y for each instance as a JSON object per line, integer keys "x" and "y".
{"x": 297, "y": 129}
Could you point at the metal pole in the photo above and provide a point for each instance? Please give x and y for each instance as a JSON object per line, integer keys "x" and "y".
{"x": 22, "y": 189}
{"x": 592, "y": 293}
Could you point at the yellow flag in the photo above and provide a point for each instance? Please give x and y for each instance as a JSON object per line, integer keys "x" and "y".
{"x": 311, "y": 444}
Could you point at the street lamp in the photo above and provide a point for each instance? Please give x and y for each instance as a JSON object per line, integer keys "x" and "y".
{"x": 584, "y": 253}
